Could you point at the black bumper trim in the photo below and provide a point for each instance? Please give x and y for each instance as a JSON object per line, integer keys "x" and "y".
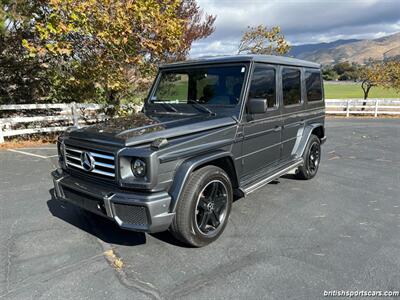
{"x": 101, "y": 200}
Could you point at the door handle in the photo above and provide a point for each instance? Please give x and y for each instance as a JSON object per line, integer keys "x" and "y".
{"x": 277, "y": 128}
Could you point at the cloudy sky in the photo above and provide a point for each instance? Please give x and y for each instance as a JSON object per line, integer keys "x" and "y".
{"x": 301, "y": 21}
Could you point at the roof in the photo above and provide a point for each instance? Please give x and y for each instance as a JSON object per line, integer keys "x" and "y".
{"x": 272, "y": 59}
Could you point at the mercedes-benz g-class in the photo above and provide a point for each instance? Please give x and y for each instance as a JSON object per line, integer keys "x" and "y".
{"x": 209, "y": 129}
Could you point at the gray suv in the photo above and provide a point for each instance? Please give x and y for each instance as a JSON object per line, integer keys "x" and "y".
{"x": 210, "y": 130}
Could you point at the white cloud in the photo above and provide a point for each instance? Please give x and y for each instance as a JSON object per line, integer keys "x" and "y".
{"x": 301, "y": 21}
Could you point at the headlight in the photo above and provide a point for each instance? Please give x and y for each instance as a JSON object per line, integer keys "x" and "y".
{"x": 138, "y": 168}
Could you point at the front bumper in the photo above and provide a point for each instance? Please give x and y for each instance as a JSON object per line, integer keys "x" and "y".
{"x": 131, "y": 210}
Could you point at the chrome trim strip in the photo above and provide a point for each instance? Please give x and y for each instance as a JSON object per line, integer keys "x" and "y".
{"x": 103, "y": 173}
{"x": 100, "y": 164}
{"x": 102, "y": 156}
{"x": 72, "y": 157}
{"x": 73, "y": 150}
{"x": 270, "y": 178}
{"x": 92, "y": 153}
{"x": 93, "y": 171}
{"x": 75, "y": 165}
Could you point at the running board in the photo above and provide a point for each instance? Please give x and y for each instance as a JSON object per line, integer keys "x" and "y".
{"x": 261, "y": 183}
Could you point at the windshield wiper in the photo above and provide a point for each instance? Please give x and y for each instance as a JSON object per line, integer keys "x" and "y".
{"x": 201, "y": 107}
{"x": 166, "y": 104}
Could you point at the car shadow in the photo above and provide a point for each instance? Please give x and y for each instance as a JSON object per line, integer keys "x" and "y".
{"x": 104, "y": 229}
{"x": 290, "y": 176}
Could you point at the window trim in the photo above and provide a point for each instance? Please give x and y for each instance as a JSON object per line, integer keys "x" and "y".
{"x": 301, "y": 87}
{"x": 305, "y": 85}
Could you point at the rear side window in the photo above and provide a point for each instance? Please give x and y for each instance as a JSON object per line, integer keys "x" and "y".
{"x": 313, "y": 86}
{"x": 291, "y": 86}
{"x": 263, "y": 84}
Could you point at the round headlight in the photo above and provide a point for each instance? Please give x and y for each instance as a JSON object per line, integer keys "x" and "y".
{"x": 139, "y": 168}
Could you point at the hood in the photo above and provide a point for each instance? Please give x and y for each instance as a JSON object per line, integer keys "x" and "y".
{"x": 144, "y": 128}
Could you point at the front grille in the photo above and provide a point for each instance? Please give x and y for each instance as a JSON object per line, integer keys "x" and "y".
{"x": 132, "y": 214}
{"x": 103, "y": 163}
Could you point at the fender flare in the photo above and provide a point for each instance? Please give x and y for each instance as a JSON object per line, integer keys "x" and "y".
{"x": 185, "y": 169}
{"x": 305, "y": 135}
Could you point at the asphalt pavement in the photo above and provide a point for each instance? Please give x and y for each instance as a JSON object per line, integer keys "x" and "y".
{"x": 291, "y": 239}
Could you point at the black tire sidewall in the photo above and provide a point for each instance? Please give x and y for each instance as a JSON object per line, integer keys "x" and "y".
{"x": 225, "y": 179}
{"x": 313, "y": 139}
{"x": 195, "y": 185}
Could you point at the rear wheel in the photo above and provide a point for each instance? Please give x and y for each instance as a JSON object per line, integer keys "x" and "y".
{"x": 202, "y": 212}
{"x": 311, "y": 157}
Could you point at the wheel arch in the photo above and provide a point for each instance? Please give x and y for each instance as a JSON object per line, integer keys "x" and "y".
{"x": 221, "y": 159}
{"x": 317, "y": 129}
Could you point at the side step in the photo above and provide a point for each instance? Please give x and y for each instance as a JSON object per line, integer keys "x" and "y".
{"x": 254, "y": 186}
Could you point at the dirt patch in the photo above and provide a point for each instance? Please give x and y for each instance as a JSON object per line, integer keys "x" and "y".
{"x": 24, "y": 144}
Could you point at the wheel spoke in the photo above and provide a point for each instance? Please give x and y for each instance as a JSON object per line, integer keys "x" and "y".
{"x": 203, "y": 203}
{"x": 214, "y": 190}
{"x": 205, "y": 217}
{"x": 214, "y": 219}
{"x": 220, "y": 203}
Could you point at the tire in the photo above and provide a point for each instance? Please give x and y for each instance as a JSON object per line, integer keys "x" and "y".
{"x": 204, "y": 207}
{"x": 312, "y": 158}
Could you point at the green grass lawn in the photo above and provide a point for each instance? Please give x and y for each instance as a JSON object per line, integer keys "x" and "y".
{"x": 343, "y": 91}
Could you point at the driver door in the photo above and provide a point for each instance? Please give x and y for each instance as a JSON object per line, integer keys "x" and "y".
{"x": 262, "y": 132}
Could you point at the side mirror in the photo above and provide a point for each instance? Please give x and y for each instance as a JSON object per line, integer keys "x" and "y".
{"x": 257, "y": 105}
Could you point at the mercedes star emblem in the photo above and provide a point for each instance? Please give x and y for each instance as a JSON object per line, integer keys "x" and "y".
{"x": 87, "y": 161}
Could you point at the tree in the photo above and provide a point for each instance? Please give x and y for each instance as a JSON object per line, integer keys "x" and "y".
{"x": 261, "y": 40}
{"x": 347, "y": 71}
{"x": 105, "y": 50}
{"x": 197, "y": 26}
{"x": 386, "y": 74}
{"x": 23, "y": 79}
{"x": 392, "y": 74}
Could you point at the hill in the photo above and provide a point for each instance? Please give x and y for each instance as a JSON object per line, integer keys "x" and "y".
{"x": 358, "y": 51}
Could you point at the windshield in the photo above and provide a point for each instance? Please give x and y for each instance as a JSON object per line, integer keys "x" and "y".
{"x": 206, "y": 85}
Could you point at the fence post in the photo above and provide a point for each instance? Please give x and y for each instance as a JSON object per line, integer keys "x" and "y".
{"x": 348, "y": 108}
{"x": 376, "y": 108}
{"x": 74, "y": 112}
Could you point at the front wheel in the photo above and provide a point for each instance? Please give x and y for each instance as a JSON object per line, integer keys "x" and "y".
{"x": 311, "y": 157}
{"x": 203, "y": 211}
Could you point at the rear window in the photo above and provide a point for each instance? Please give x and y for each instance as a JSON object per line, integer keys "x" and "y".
{"x": 291, "y": 86}
{"x": 313, "y": 86}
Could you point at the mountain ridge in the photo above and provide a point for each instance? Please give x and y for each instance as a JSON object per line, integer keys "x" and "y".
{"x": 352, "y": 50}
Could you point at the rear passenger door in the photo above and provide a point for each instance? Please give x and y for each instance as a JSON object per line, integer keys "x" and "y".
{"x": 292, "y": 108}
{"x": 262, "y": 132}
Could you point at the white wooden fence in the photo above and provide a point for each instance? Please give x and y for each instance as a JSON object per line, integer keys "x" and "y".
{"x": 62, "y": 116}
{"x": 373, "y": 107}
{"x": 65, "y": 115}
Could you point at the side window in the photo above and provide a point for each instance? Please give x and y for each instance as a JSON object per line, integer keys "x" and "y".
{"x": 263, "y": 84}
{"x": 291, "y": 86}
{"x": 313, "y": 86}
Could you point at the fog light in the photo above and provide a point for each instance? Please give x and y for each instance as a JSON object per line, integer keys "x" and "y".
{"x": 139, "y": 168}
